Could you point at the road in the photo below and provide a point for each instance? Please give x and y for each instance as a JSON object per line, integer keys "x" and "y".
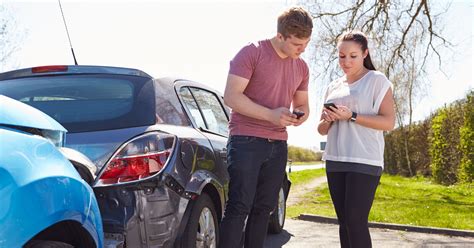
{"x": 307, "y": 234}
{"x": 305, "y": 167}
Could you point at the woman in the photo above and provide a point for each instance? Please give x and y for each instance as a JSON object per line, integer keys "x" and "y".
{"x": 364, "y": 108}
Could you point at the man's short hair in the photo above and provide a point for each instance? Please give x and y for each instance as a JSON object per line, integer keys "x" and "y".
{"x": 295, "y": 21}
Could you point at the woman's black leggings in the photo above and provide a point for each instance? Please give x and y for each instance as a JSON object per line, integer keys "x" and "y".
{"x": 352, "y": 195}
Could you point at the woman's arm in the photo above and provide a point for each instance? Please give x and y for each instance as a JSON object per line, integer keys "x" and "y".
{"x": 384, "y": 120}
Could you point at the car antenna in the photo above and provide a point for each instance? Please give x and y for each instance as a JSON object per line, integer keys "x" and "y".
{"x": 67, "y": 32}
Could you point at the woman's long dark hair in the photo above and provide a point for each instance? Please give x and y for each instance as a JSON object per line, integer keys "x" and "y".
{"x": 359, "y": 38}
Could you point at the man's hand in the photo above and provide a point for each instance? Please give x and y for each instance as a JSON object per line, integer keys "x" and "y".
{"x": 299, "y": 119}
{"x": 283, "y": 117}
{"x": 300, "y": 103}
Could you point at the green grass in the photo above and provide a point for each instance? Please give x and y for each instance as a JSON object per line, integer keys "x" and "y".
{"x": 411, "y": 201}
{"x": 301, "y": 177}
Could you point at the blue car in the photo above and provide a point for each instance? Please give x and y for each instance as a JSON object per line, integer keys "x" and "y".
{"x": 44, "y": 202}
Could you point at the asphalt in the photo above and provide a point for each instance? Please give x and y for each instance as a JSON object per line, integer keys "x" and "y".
{"x": 294, "y": 168}
{"x": 308, "y": 234}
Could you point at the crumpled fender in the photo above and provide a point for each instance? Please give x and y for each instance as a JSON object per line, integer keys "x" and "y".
{"x": 38, "y": 188}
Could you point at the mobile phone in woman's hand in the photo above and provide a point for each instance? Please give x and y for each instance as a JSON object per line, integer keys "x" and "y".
{"x": 329, "y": 104}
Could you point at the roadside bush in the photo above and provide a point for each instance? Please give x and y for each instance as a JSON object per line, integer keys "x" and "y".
{"x": 443, "y": 144}
{"x": 466, "y": 145}
{"x": 419, "y": 152}
{"x": 395, "y": 157}
{"x": 298, "y": 154}
{"x": 318, "y": 156}
{"x": 393, "y": 160}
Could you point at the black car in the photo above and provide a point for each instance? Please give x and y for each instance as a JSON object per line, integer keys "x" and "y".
{"x": 159, "y": 146}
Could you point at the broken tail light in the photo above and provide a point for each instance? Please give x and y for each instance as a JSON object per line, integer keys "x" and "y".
{"x": 138, "y": 159}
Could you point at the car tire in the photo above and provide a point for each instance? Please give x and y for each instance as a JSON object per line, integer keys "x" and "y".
{"x": 277, "y": 218}
{"x": 202, "y": 229}
{"x": 47, "y": 244}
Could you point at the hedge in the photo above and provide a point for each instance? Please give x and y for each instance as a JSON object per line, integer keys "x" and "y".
{"x": 441, "y": 146}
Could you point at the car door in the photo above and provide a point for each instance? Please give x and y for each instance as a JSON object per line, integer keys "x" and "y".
{"x": 210, "y": 117}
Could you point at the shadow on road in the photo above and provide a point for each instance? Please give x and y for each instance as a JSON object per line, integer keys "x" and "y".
{"x": 277, "y": 240}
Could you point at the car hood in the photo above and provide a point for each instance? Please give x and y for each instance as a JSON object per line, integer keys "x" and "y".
{"x": 15, "y": 113}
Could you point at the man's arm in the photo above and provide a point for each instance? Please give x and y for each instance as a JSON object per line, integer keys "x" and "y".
{"x": 301, "y": 103}
{"x": 234, "y": 97}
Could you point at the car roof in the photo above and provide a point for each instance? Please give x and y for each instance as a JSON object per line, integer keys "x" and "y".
{"x": 94, "y": 69}
{"x": 70, "y": 69}
{"x": 181, "y": 82}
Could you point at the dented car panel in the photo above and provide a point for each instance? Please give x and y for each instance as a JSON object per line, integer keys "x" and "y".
{"x": 150, "y": 213}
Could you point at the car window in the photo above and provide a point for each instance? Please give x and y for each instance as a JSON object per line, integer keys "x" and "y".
{"x": 87, "y": 102}
{"x": 212, "y": 110}
{"x": 168, "y": 108}
{"x": 191, "y": 105}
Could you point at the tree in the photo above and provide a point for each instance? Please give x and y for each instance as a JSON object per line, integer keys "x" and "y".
{"x": 10, "y": 37}
{"x": 392, "y": 24}
{"x": 404, "y": 36}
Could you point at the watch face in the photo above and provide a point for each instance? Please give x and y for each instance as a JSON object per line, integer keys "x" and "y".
{"x": 354, "y": 116}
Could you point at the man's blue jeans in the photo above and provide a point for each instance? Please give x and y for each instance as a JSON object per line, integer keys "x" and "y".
{"x": 256, "y": 170}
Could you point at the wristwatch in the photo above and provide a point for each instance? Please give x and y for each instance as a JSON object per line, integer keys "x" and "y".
{"x": 353, "y": 117}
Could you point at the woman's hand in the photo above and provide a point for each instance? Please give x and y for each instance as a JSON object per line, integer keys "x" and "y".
{"x": 326, "y": 116}
{"x": 340, "y": 113}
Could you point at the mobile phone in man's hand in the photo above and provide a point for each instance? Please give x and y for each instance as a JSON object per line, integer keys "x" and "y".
{"x": 330, "y": 104}
{"x": 298, "y": 114}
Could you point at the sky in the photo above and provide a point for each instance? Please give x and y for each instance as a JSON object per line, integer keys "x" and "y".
{"x": 196, "y": 40}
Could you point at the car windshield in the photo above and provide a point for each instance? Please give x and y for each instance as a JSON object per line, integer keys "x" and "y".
{"x": 87, "y": 102}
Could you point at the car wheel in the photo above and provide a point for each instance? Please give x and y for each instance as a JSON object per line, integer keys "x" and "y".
{"x": 202, "y": 230}
{"x": 47, "y": 244}
{"x": 277, "y": 218}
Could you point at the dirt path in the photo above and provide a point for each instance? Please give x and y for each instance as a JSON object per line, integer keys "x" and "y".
{"x": 297, "y": 193}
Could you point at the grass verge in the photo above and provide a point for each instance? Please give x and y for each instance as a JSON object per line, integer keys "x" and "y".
{"x": 305, "y": 176}
{"x": 411, "y": 201}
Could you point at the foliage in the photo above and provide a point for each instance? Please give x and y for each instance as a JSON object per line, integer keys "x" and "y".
{"x": 298, "y": 154}
{"x": 443, "y": 144}
{"x": 466, "y": 145}
{"x": 395, "y": 159}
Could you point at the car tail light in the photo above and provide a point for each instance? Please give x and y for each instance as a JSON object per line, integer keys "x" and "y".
{"x": 138, "y": 159}
{"x": 49, "y": 68}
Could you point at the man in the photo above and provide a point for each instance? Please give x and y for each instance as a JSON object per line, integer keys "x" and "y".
{"x": 264, "y": 79}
